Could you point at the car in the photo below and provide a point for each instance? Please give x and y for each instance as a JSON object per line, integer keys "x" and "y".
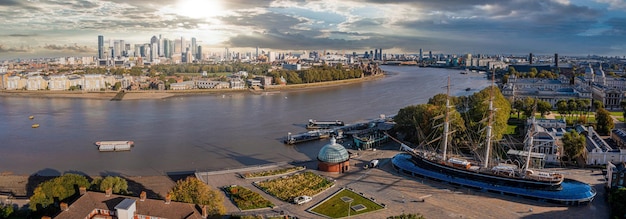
{"x": 302, "y": 199}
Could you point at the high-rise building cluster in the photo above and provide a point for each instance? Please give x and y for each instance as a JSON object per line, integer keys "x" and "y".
{"x": 157, "y": 49}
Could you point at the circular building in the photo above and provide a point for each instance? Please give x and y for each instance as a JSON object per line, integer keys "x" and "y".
{"x": 333, "y": 157}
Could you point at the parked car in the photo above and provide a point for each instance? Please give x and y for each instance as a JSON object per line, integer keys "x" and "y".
{"x": 302, "y": 199}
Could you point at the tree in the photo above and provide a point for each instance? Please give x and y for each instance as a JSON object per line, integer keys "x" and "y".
{"x": 192, "y": 190}
{"x": 543, "y": 107}
{"x": 505, "y": 78}
{"x": 518, "y": 105}
{"x": 561, "y": 106}
{"x": 598, "y": 104}
{"x": 572, "y": 106}
{"x": 616, "y": 201}
{"x": 116, "y": 183}
{"x": 604, "y": 121}
{"x": 60, "y": 188}
{"x": 416, "y": 120}
{"x": 479, "y": 107}
{"x": 6, "y": 210}
{"x": 573, "y": 144}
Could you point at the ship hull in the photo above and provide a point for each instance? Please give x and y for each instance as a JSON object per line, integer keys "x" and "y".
{"x": 569, "y": 192}
{"x": 484, "y": 177}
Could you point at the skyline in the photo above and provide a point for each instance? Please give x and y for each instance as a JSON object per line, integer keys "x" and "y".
{"x": 51, "y": 28}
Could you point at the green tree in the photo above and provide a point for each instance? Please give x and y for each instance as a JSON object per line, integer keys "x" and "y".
{"x": 561, "y": 107}
{"x": 616, "y": 201}
{"x": 512, "y": 71}
{"x": 505, "y": 78}
{"x": 604, "y": 121}
{"x": 6, "y": 210}
{"x": 543, "y": 107}
{"x": 192, "y": 190}
{"x": 117, "y": 184}
{"x": 597, "y": 104}
{"x": 479, "y": 107}
{"x": 572, "y": 106}
{"x": 117, "y": 86}
{"x": 573, "y": 144}
{"x": 59, "y": 188}
{"x": 416, "y": 122}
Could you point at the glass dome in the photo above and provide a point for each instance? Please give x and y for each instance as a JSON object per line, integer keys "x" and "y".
{"x": 333, "y": 153}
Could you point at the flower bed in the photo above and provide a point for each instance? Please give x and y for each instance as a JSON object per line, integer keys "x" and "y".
{"x": 273, "y": 172}
{"x": 288, "y": 187}
{"x": 246, "y": 199}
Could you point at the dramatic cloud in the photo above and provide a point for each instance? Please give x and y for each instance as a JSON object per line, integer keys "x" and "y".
{"x": 4, "y": 49}
{"x": 455, "y": 26}
{"x": 70, "y": 48}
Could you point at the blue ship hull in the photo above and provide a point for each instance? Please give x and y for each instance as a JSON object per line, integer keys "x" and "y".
{"x": 569, "y": 192}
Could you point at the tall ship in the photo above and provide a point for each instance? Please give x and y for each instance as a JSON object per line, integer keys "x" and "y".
{"x": 505, "y": 178}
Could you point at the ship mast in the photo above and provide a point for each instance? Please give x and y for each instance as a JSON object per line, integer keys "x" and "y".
{"x": 446, "y": 123}
{"x": 487, "y": 152}
{"x": 530, "y": 138}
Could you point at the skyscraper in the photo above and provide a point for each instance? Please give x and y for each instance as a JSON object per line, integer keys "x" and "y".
{"x": 166, "y": 48}
{"x": 530, "y": 58}
{"x": 100, "y": 47}
{"x": 194, "y": 47}
{"x": 380, "y": 54}
{"x": 199, "y": 53}
{"x": 421, "y": 55}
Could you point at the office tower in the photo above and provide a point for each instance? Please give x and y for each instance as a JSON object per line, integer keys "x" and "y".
{"x": 116, "y": 49}
{"x": 430, "y": 55}
{"x": 161, "y": 46}
{"x": 380, "y": 54}
{"x": 375, "y": 54}
{"x": 154, "y": 51}
{"x": 227, "y": 54}
{"x": 137, "y": 52}
{"x": 147, "y": 51}
{"x": 194, "y": 47}
{"x": 421, "y": 55}
{"x": 127, "y": 49}
{"x": 257, "y": 52}
{"x": 530, "y": 58}
{"x": 371, "y": 54}
{"x": 100, "y": 47}
{"x": 556, "y": 60}
{"x": 166, "y": 48}
{"x": 199, "y": 53}
{"x": 182, "y": 45}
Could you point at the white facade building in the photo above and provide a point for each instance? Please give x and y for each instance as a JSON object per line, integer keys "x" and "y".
{"x": 36, "y": 82}
{"x": 58, "y": 82}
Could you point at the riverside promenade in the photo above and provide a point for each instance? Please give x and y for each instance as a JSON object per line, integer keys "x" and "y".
{"x": 406, "y": 194}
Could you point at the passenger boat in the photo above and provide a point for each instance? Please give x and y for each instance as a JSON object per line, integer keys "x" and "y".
{"x": 31, "y": 117}
{"x": 314, "y": 124}
{"x": 36, "y": 125}
{"x": 500, "y": 174}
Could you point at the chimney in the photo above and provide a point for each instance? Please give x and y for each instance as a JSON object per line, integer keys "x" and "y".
{"x": 64, "y": 206}
{"x": 82, "y": 190}
{"x": 142, "y": 196}
{"x": 204, "y": 212}
{"x": 168, "y": 198}
{"x": 108, "y": 192}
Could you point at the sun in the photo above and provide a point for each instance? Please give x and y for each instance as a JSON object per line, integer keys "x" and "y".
{"x": 199, "y": 8}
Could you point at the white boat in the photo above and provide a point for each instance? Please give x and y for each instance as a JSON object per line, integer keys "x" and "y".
{"x": 114, "y": 145}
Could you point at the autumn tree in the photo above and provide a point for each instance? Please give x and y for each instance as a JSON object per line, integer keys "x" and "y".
{"x": 192, "y": 190}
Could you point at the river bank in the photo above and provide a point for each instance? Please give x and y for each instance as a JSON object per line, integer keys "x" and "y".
{"x": 152, "y": 94}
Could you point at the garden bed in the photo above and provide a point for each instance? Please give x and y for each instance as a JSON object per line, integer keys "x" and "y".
{"x": 286, "y": 188}
{"x": 246, "y": 199}
{"x": 273, "y": 172}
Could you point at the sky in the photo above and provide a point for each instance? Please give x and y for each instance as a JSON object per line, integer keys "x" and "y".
{"x": 53, "y": 28}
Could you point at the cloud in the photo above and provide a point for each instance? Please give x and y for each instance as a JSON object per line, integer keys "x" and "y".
{"x": 21, "y": 35}
{"x": 21, "y": 49}
{"x": 614, "y": 4}
{"x": 70, "y": 48}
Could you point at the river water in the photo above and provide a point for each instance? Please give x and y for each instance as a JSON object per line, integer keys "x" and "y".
{"x": 206, "y": 132}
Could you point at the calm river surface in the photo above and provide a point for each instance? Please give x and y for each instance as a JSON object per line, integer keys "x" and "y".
{"x": 199, "y": 132}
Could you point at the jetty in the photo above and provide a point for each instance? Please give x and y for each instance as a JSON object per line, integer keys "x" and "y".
{"x": 114, "y": 145}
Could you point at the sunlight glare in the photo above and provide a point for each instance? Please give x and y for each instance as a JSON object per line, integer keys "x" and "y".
{"x": 199, "y": 8}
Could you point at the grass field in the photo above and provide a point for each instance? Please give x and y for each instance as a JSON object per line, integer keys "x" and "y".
{"x": 335, "y": 207}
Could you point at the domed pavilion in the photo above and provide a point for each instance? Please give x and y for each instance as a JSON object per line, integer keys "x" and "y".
{"x": 333, "y": 157}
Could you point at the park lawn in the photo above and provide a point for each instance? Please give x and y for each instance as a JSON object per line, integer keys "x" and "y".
{"x": 334, "y": 207}
{"x": 286, "y": 188}
{"x": 246, "y": 199}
